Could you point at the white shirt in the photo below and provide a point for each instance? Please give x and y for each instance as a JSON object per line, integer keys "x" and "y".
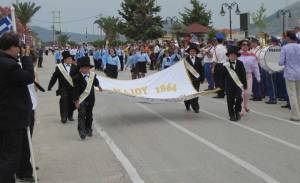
{"x": 156, "y": 49}
{"x": 206, "y": 58}
{"x": 193, "y": 59}
{"x": 86, "y": 76}
{"x": 68, "y": 68}
{"x": 220, "y": 53}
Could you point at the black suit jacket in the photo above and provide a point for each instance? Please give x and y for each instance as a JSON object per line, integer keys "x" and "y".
{"x": 80, "y": 85}
{"x": 15, "y": 101}
{"x": 63, "y": 84}
{"x": 198, "y": 67}
{"x": 228, "y": 83}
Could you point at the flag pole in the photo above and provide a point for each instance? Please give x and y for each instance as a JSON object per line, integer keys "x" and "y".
{"x": 13, "y": 19}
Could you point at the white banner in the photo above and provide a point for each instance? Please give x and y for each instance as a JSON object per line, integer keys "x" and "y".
{"x": 172, "y": 84}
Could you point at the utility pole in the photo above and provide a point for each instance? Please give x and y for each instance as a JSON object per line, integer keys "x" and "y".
{"x": 56, "y": 24}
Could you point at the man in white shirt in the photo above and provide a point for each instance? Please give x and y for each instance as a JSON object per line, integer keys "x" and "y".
{"x": 218, "y": 58}
{"x": 208, "y": 63}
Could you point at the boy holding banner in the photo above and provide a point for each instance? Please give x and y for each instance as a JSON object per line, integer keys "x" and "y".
{"x": 235, "y": 83}
{"x": 84, "y": 96}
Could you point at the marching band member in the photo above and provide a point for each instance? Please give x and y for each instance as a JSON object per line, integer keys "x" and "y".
{"x": 257, "y": 88}
{"x": 57, "y": 56}
{"x": 208, "y": 63}
{"x": 176, "y": 57}
{"x": 63, "y": 73}
{"x": 234, "y": 81}
{"x": 120, "y": 53}
{"x": 131, "y": 63}
{"x": 251, "y": 65}
{"x": 84, "y": 96}
{"x": 195, "y": 63}
{"x": 111, "y": 64}
{"x": 219, "y": 56}
{"x": 167, "y": 61}
{"x": 97, "y": 59}
{"x": 141, "y": 62}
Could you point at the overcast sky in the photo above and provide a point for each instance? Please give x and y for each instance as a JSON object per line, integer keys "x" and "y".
{"x": 81, "y": 9}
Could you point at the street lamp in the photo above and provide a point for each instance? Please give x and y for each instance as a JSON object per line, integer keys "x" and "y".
{"x": 230, "y": 7}
{"x": 171, "y": 20}
{"x": 284, "y": 13}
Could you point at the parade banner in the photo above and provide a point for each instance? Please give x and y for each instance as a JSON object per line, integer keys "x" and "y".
{"x": 172, "y": 84}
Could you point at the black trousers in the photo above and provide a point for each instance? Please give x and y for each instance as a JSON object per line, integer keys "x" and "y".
{"x": 193, "y": 102}
{"x": 111, "y": 71}
{"x": 40, "y": 62}
{"x": 234, "y": 101}
{"x": 66, "y": 104}
{"x": 85, "y": 118}
{"x": 11, "y": 147}
{"x": 25, "y": 167}
{"x": 219, "y": 79}
{"x": 121, "y": 61}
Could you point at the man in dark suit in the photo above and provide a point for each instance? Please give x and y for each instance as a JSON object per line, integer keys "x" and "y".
{"x": 15, "y": 105}
{"x": 64, "y": 73}
{"x": 195, "y": 62}
{"x": 234, "y": 87}
{"x": 84, "y": 96}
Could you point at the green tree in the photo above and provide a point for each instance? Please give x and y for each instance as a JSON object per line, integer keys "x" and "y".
{"x": 110, "y": 26}
{"x": 140, "y": 19}
{"x": 198, "y": 14}
{"x": 25, "y": 11}
{"x": 63, "y": 39}
{"x": 259, "y": 18}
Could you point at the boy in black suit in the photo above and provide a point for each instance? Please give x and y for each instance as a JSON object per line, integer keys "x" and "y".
{"x": 64, "y": 73}
{"x": 84, "y": 96}
{"x": 196, "y": 63}
{"x": 234, "y": 81}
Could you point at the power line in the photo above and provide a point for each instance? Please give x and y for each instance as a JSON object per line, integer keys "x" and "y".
{"x": 67, "y": 21}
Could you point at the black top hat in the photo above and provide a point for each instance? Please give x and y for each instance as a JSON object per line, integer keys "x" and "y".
{"x": 193, "y": 46}
{"x": 84, "y": 61}
{"x": 66, "y": 54}
{"x": 233, "y": 49}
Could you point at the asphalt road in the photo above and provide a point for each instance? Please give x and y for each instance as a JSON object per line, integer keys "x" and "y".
{"x": 163, "y": 143}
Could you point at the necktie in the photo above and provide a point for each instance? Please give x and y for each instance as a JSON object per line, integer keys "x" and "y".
{"x": 232, "y": 64}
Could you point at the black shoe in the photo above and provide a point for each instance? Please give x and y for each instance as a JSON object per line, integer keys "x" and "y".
{"x": 196, "y": 111}
{"x": 218, "y": 97}
{"x": 25, "y": 179}
{"x": 287, "y": 106}
{"x": 64, "y": 120}
{"x": 271, "y": 102}
{"x": 82, "y": 135}
{"x": 238, "y": 116}
{"x": 90, "y": 133}
{"x": 71, "y": 119}
{"x": 233, "y": 118}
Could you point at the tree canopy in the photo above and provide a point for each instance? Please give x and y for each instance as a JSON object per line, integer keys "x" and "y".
{"x": 140, "y": 20}
{"x": 25, "y": 11}
{"x": 197, "y": 14}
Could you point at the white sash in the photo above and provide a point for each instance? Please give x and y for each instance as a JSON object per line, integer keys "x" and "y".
{"x": 191, "y": 69}
{"x": 65, "y": 74}
{"x": 233, "y": 75}
{"x": 88, "y": 88}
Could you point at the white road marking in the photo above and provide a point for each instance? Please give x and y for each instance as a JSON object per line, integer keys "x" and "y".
{"x": 259, "y": 113}
{"x": 130, "y": 169}
{"x": 251, "y": 168}
{"x": 254, "y": 131}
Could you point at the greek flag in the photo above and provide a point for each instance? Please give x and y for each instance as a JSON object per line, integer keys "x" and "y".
{"x": 5, "y": 25}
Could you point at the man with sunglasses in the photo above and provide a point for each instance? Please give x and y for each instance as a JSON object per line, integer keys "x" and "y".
{"x": 15, "y": 104}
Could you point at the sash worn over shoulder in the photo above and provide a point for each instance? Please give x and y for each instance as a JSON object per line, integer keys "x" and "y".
{"x": 65, "y": 74}
{"x": 88, "y": 88}
{"x": 191, "y": 69}
{"x": 233, "y": 75}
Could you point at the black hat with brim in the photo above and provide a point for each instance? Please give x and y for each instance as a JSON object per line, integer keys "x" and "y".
{"x": 66, "y": 54}
{"x": 233, "y": 50}
{"x": 84, "y": 62}
{"x": 193, "y": 46}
